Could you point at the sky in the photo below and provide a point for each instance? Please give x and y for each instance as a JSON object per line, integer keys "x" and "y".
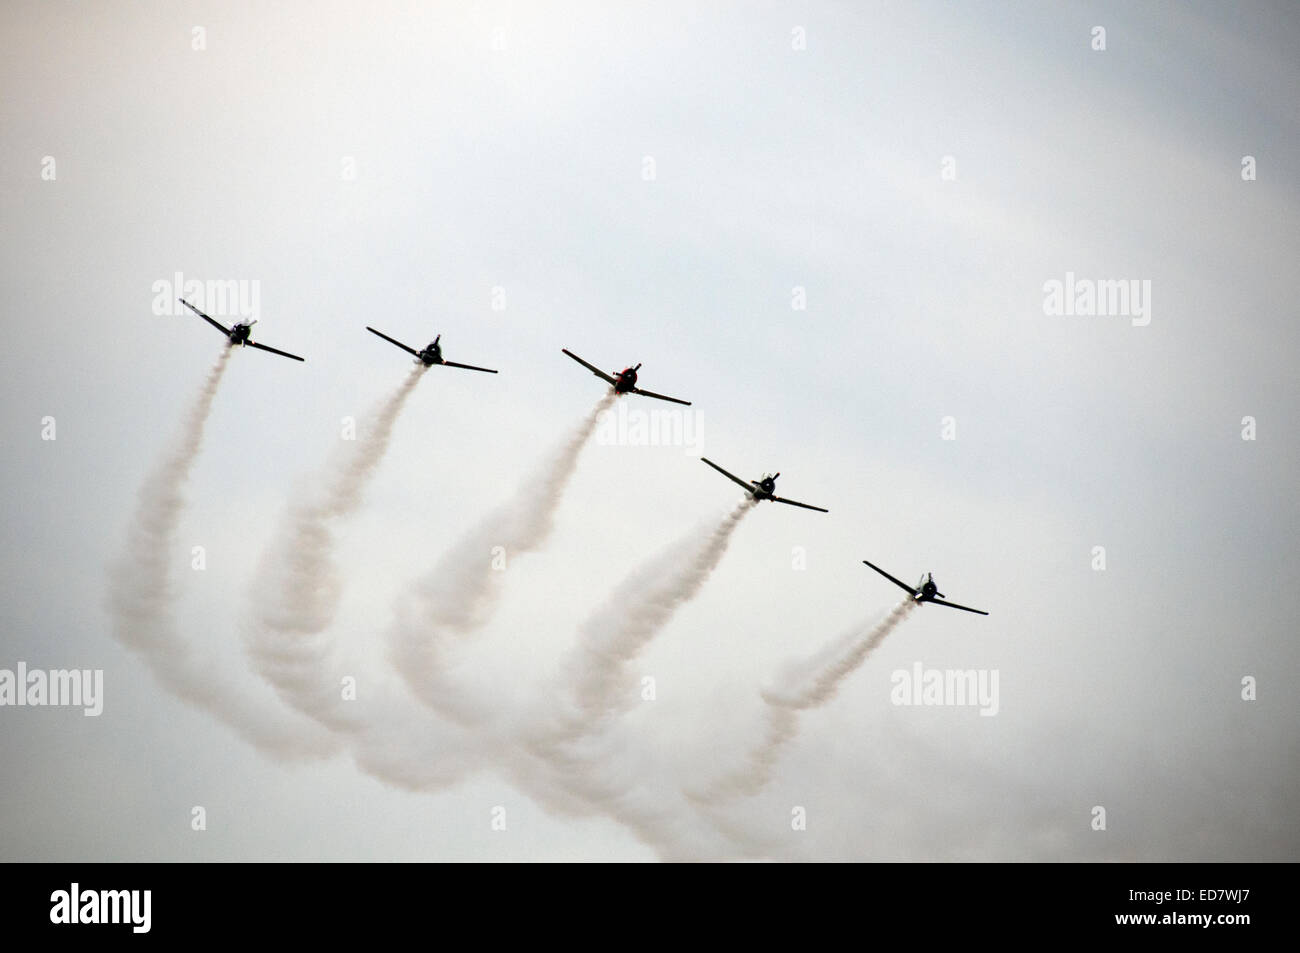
{"x": 833, "y": 228}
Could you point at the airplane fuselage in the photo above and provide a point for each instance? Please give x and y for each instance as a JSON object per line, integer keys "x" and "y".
{"x": 765, "y": 488}
{"x": 928, "y": 590}
{"x": 432, "y": 354}
{"x": 239, "y": 333}
{"x": 625, "y": 380}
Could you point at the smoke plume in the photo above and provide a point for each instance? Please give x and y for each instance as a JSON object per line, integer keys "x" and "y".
{"x": 461, "y": 593}
{"x": 296, "y": 591}
{"x": 809, "y": 685}
{"x": 632, "y": 616}
{"x": 142, "y": 593}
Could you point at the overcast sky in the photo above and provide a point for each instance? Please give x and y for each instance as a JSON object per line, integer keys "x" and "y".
{"x": 830, "y": 226}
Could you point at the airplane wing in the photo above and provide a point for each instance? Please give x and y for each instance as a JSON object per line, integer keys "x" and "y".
{"x": 263, "y": 347}
{"x": 806, "y": 506}
{"x": 730, "y": 476}
{"x": 646, "y": 393}
{"x": 468, "y": 367}
{"x": 953, "y": 605}
{"x": 595, "y": 370}
{"x": 896, "y": 582}
{"x": 225, "y": 331}
{"x": 391, "y": 341}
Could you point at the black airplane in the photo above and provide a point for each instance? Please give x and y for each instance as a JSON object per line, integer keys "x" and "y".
{"x": 927, "y": 591}
{"x": 431, "y": 354}
{"x": 238, "y": 333}
{"x": 763, "y": 489}
{"x": 624, "y": 381}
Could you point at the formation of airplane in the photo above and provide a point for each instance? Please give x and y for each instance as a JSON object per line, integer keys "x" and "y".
{"x": 926, "y": 591}
{"x": 238, "y": 333}
{"x": 763, "y": 488}
{"x": 431, "y": 354}
{"x": 624, "y": 381}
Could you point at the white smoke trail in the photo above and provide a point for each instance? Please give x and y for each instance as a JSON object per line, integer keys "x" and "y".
{"x": 632, "y": 793}
{"x": 582, "y": 771}
{"x": 296, "y": 592}
{"x": 461, "y": 593}
{"x": 141, "y": 594}
{"x": 809, "y": 685}
{"x": 566, "y": 756}
{"x": 563, "y": 775}
{"x": 295, "y": 598}
{"x": 632, "y": 616}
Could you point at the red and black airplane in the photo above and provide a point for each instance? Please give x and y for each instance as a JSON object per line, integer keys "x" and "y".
{"x": 926, "y": 591}
{"x": 624, "y": 381}
{"x": 431, "y": 354}
{"x": 238, "y": 333}
{"x": 762, "y": 489}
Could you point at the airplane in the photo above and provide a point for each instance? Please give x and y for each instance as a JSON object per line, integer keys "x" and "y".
{"x": 431, "y": 354}
{"x": 762, "y": 489}
{"x": 624, "y": 381}
{"x": 238, "y": 333}
{"x": 926, "y": 592}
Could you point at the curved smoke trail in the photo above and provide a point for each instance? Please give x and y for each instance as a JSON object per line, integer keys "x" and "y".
{"x": 296, "y": 592}
{"x": 461, "y": 593}
{"x": 809, "y": 685}
{"x": 564, "y": 755}
{"x": 141, "y": 594}
{"x": 295, "y": 598}
{"x": 394, "y": 739}
{"x": 632, "y": 616}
